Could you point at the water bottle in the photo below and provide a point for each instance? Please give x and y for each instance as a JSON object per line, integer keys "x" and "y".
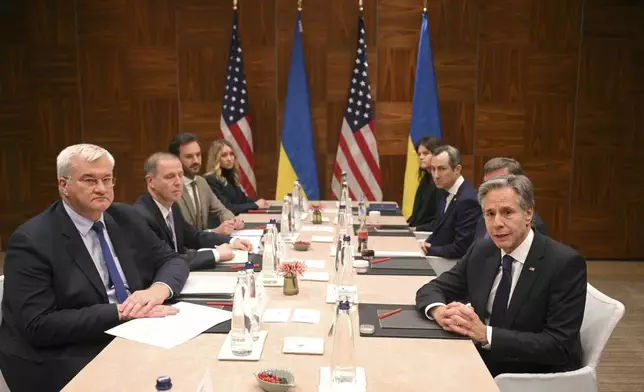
{"x": 269, "y": 274}
{"x": 297, "y": 198}
{"x": 346, "y": 287}
{"x": 362, "y": 210}
{"x": 340, "y": 232}
{"x": 344, "y": 193}
{"x": 241, "y": 339}
{"x": 284, "y": 223}
{"x": 343, "y": 370}
{"x": 253, "y": 299}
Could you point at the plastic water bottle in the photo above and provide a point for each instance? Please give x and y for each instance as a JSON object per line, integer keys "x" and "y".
{"x": 241, "y": 340}
{"x": 269, "y": 274}
{"x": 253, "y": 299}
{"x": 343, "y": 370}
{"x": 340, "y": 232}
{"x": 286, "y": 211}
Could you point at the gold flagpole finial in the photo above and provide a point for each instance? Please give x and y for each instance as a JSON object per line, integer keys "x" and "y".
{"x": 234, "y": 4}
{"x": 299, "y": 5}
{"x": 360, "y": 5}
{"x": 424, "y": 6}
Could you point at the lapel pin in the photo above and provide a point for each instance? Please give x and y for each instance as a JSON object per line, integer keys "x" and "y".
{"x": 531, "y": 269}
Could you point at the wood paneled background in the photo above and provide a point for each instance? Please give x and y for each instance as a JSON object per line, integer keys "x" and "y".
{"x": 558, "y": 84}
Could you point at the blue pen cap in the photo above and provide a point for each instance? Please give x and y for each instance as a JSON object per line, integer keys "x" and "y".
{"x": 344, "y": 305}
{"x": 346, "y": 238}
{"x": 164, "y": 383}
{"x": 249, "y": 265}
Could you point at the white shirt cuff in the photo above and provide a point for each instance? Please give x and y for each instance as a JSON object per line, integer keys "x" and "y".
{"x": 232, "y": 241}
{"x": 216, "y": 254}
{"x": 169, "y": 289}
{"x": 489, "y": 338}
{"x": 430, "y": 307}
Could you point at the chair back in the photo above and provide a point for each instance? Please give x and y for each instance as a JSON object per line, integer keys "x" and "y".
{"x": 601, "y": 316}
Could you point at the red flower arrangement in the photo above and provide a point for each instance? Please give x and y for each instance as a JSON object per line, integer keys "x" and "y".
{"x": 292, "y": 268}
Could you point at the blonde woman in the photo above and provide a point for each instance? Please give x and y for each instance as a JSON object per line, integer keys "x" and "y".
{"x": 222, "y": 174}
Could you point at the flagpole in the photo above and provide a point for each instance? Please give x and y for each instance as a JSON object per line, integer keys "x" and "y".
{"x": 234, "y": 4}
{"x": 299, "y": 5}
{"x": 360, "y": 5}
{"x": 424, "y": 7}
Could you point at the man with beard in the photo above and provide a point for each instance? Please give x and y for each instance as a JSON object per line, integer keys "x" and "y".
{"x": 198, "y": 202}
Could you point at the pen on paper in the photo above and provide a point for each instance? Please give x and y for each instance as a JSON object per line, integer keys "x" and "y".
{"x": 376, "y": 261}
{"x": 219, "y": 303}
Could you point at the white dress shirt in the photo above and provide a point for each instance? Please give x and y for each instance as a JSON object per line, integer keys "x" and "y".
{"x": 188, "y": 184}
{"x": 519, "y": 255}
{"x": 451, "y": 192}
{"x": 90, "y": 239}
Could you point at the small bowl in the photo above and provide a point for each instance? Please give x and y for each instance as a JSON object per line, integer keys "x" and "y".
{"x": 281, "y": 373}
{"x": 301, "y": 245}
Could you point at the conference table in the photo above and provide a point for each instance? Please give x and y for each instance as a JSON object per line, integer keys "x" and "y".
{"x": 391, "y": 364}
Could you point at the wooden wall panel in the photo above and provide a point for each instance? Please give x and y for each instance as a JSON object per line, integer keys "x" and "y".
{"x": 556, "y": 84}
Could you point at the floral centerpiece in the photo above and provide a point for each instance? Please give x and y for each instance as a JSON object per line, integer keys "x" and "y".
{"x": 291, "y": 270}
{"x": 317, "y": 214}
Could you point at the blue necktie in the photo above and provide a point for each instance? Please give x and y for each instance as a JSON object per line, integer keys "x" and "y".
{"x": 502, "y": 297}
{"x": 441, "y": 206}
{"x": 115, "y": 277}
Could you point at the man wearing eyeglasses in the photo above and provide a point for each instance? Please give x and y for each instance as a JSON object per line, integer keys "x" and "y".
{"x": 81, "y": 267}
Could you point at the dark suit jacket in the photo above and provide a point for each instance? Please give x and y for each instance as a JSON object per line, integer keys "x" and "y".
{"x": 425, "y": 204}
{"x": 55, "y": 309}
{"x": 189, "y": 239}
{"x": 537, "y": 225}
{"x": 454, "y": 232}
{"x": 231, "y": 195}
{"x": 541, "y": 329}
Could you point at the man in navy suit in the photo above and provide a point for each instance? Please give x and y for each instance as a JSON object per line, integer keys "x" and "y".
{"x": 83, "y": 266}
{"x": 458, "y": 211}
{"x": 502, "y": 166}
{"x": 164, "y": 179}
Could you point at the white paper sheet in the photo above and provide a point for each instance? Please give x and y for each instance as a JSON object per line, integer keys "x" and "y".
{"x": 297, "y": 345}
{"x": 328, "y": 229}
{"x": 396, "y": 253}
{"x": 316, "y": 276}
{"x": 276, "y": 315}
{"x": 207, "y": 284}
{"x": 318, "y": 264}
{"x": 309, "y": 316}
{"x": 171, "y": 331}
{"x": 226, "y": 354}
{"x": 248, "y": 233}
{"x": 322, "y": 238}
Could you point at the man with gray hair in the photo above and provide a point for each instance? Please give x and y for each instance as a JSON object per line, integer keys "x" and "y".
{"x": 526, "y": 292}
{"x": 501, "y": 166}
{"x": 83, "y": 266}
{"x": 455, "y": 224}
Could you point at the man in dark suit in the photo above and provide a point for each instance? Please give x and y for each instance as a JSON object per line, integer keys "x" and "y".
{"x": 458, "y": 211}
{"x": 78, "y": 269}
{"x": 502, "y": 166}
{"x": 164, "y": 176}
{"x": 527, "y": 291}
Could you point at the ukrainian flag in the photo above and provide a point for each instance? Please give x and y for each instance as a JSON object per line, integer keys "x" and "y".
{"x": 297, "y": 155}
{"x": 425, "y": 115}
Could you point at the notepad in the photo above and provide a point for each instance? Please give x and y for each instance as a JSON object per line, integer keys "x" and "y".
{"x": 309, "y": 316}
{"x": 322, "y": 238}
{"x": 316, "y": 276}
{"x": 297, "y": 345}
{"x": 276, "y": 315}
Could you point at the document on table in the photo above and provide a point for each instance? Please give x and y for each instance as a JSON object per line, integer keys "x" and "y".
{"x": 316, "y": 276}
{"x": 318, "y": 264}
{"x": 207, "y": 284}
{"x": 297, "y": 345}
{"x": 322, "y": 238}
{"x": 328, "y": 229}
{"x": 171, "y": 331}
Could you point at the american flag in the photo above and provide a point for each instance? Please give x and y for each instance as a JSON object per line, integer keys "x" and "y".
{"x": 235, "y": 119}
{"x": 357, "y": 149}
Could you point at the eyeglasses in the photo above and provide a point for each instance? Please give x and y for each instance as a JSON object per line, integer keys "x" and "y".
{"x": 108, "y": 182}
